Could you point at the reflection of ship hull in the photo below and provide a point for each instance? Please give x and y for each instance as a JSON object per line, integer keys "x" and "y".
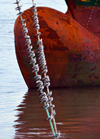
{"x": 72, "y": 52}
{"x": 75, "y": 119}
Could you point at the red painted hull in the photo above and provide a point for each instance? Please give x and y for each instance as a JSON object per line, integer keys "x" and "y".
{"x": 72, "y": 52}
{"x": 86, "y": 14}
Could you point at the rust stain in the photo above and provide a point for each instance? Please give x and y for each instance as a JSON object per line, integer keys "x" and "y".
{"x": 72, "y": 52}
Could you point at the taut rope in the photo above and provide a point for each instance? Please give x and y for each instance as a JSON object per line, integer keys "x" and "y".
{"x": 40, "y": 81}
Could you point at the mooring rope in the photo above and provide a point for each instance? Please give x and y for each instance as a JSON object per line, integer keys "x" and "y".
{"x": 40, "y": 81}
{"x": 43, "y": 67}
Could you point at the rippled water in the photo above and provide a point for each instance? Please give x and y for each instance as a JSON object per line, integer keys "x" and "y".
{"x": 78, "y": 115}
{"x": 21, "y": 114}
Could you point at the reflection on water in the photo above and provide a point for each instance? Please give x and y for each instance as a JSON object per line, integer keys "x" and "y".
{"x": 78, "y": 110}
{"x": 78, "y": 115}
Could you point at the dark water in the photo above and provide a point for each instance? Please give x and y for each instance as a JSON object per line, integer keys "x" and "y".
{"x": 21, "y": 114}
{"x": 78, "y": 115}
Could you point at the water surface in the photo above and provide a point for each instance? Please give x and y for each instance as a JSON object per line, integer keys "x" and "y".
{"x": 21, "y": 114}
{"x": 78, "y": 115}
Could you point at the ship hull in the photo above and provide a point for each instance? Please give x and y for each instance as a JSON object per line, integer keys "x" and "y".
{"x": 72, "y": 52}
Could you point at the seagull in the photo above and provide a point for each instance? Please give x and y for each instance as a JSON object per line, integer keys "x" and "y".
{"x": 34, "y": 6}
{"x": 40, "y": 51}
{"x": 16, "y": 2}
{"x": 33, "y": 60}
{"x": 41, "y": 60}
{"x": 39, "y": 83}
{"x": 19, "y": 13}
{"x": 35, "y": 15}
{"x": 46, "y": 106}
{"x": 29, "y": 48}
{"x": 28, "y": 41}
{"x": 18, "y": 8}
{"x": 42, "y": 94}
{"x": 50, "y": 99}
{"x": 40, "y": 88}
{"x": 25, "y": 31}
{"x": 43, "y": 63}
{"x": 35, "y": 22}
{"x": 41, "y": 56}
{"x": 37, "y": 28}
{"x": 31, "y": 53}
{"x": 46, "y": 78}
{"x": 35, "y": 18}
{"x": 34, "y": 10}
{"x": 49, "y": 118}
{"x": 43, "y": 68}
{"x": 46, "y": 83}
{"x": 37, "y": 77}
{"x": 39, "y": 33}
{"x": 22, "y": 20}
{"x": 44, "y": 99}
{"x": 39, "y": 42}
{"x": 51, "y": 106}
{"x": 36, "y": 25}
{"x": 24, "y": 25}
{"x": 27, "y": 36}
{"x": 49, "y": 94}
{"x": 52, "y": 115}
{"x": 57, "y": 135}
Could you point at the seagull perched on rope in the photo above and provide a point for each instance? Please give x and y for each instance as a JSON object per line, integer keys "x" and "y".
{"x": 50, "y": 99}
{"x": 57, "y": 135}
{"x": 51, "y": 106}
{"x": 49, "y": 94}
{"x": 42, "y": 94}
{"x": 46, "y": 106}
{"x": 51, "y": 117}
{"x": 44, "y": 99}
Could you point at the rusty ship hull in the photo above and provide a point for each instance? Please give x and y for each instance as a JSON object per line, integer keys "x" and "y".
{"x": 72, "y": 51}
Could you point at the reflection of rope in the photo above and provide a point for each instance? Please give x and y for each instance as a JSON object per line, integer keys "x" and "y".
{"x": 41, "y": 82}
{"x": 90, "y": 17}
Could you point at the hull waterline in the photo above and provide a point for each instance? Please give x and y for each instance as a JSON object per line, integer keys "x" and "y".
{"x": 72, "y": 52}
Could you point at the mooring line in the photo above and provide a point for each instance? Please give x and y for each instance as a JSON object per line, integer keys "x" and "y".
{"x": 44, "y": 67}
{"x": 40, "y": 81}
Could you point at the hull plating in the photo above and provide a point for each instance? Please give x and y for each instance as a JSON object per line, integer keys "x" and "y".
{"x": 72, "y": 52}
